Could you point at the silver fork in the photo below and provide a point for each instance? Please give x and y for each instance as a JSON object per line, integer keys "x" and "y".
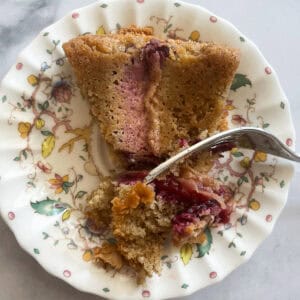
{"x": 245, "y": 137}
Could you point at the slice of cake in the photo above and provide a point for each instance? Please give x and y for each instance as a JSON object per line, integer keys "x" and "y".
{"x": 152, "y": 98}
{"x": 144, "y": 216}
{"x": 148, "y": 94}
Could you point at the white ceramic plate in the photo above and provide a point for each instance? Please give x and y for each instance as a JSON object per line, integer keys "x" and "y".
{"x": 48, "y": 162}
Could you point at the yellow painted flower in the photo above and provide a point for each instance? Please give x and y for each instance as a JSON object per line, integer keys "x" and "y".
{"x": 39, "y": 123}
{"x": 101, "y": 30}
{"x": 48, "y": 145}
{"x": 87, "y": 255}
{"x": 195, "y": 36}
{"x": 32, "y": 80}
{"x": 254, "y": 204}
{"x": 260, "y": 156}
{"x": 186, "y": 252}
{"x": 229, "y": 105}
{"x": 57, "y": 183}
{"x": 234, "y": 150}
{"x": 66, "y": 215}
{"x": 245, "y": 163}
{"x": 24, "y": 128}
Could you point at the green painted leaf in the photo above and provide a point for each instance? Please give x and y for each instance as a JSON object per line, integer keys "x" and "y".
{"x": 79, "y": 177}
{"x": 118, "y": 26}
{"x": 169, "y": 265}
{"x": 46, "y": 34}
{"x": 106, "y": 290}
{"x": 24, "y": 153}
{"x": 31, "y": 184}
{"x": 46, "y": 132}
{"x": 82, "y": 157}
{"x": 282, "y": 183}
{"x": 4, "y": 98}
{"x": 164, "y": 257}
{"x": 184, "y": 286}
{"x": 45, "y": 235}
{"x": 243, "y": 220}
{"x": 282, "y": 105}
{"x": 17, "y": 158}
{"x": 56, "y": 243}
{"x": 239, "y": 81}
{"x": 225, "y": 178}
{"x": 266, "y": 125}
{"x": 69, "y": 183}
{"x": 204, "y": 248}
{"x": 49, "y": 51}
{"x": 45, "y": 105}
{"x": 177, "y": 4}
{"x": 80, "y": 194}
{"x": 245, "y": 179}
{"x": 104, "y": 5}
{"x": 239, "y": 234}
{"x": 167, "y": 28}
{"x": 240, "y": 181}
{"x": 251, "y": 101}
{"x": 242, "y": 253}
{"x": 242, "y": 39}
{"x": 220, "y": 233}
{"x": 231, "y": 244}
{"x": 59, "y": 109}
{"x": 237, "y": 154}
{"x": 85, "y": 147}
{"x": 49, "y": 207}
{"x": 36, "y": 251}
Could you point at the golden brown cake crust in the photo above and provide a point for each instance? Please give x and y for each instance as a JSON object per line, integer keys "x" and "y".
{"x": 183, "y": 98}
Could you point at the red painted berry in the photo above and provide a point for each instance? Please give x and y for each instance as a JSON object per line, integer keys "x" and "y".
{"x": 75, "y": 15}
{"x": 213, "y": 19}
{"x": 289, "y": 142}
{"x": 268, "y": 70}
{"x": 19, "y": 66}
{"x": 67, "y": 273}
{"x": 269, "y": 218}
{"x": 146, "y": 294}
{"x": 11, "y": 215}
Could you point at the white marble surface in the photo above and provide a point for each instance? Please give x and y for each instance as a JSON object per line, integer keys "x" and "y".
{"x": 274, "y": 271}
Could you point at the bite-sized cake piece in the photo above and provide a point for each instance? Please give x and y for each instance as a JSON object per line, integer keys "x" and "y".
{"x": 99, "y": 205}
{"x": 143, "y": 216}
{"x": 140, "y": 224}
{"x": 150, "y": 94}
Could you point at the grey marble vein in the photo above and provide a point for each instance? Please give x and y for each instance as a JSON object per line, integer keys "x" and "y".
{"x": 20, "y": 22}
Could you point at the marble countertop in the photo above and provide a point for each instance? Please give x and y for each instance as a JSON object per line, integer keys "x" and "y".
{"x": 273, "y": 272}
